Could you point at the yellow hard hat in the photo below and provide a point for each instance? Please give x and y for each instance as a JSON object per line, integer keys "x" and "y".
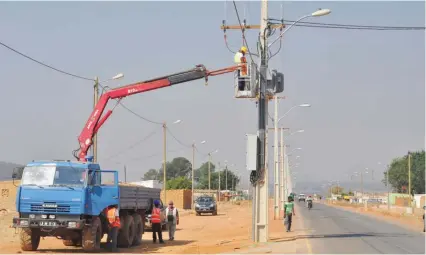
{"x": 244, "y": 49}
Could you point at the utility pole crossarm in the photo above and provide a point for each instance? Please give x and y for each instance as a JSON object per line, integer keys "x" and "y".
{"x": 238, "y": 27}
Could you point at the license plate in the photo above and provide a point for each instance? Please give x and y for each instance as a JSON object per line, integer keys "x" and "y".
{"x": 48, "y": 223}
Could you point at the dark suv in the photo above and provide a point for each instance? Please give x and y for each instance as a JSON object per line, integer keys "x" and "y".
{"x": 205, "y": 204}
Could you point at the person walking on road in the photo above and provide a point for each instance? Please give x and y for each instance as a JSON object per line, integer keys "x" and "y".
{"x": 289, "y": 212}
{"x": 112, "y": 215}
{"x": 156, "y": 223}
{"x": 172, "y": 220}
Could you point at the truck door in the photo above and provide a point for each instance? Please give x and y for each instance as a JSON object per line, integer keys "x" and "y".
{"x": 103, "y": 191}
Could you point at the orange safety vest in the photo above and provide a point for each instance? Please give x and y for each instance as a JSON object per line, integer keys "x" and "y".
{"x": 155, "y": 216}
{"x": 113, "y": 220}
{"x": 243, "y": 66}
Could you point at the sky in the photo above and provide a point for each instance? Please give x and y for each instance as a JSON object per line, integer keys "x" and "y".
{"x": 366, "y": 88}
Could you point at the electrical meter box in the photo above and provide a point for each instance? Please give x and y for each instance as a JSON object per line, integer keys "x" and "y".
{"x": 253, "y": 146}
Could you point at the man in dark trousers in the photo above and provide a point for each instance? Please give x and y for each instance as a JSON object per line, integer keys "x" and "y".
{"x": 113, "y": 217}
{"x": 156, "y": 222}
{"x": 289, "y": 212}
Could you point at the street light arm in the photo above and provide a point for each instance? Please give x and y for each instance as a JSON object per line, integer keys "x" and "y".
{"x": 294, "y": 106}
{"x": 288, "y": 28}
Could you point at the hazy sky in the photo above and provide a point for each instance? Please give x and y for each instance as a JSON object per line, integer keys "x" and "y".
{"x": 366, "y": 87}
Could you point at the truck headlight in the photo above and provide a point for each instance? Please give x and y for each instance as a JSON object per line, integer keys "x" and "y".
{"x": 52, "y": 216}
{"x": 23, "y": 222}
{"x": 212, "y": 205}
{"x": 32, "y": 216}
{"x": 44, "y": 216}
{"x": 72, "y": 224}
{"x": 197, "y": 205}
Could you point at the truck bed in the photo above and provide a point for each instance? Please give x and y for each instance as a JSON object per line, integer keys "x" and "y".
{"x": 137, "y": 197}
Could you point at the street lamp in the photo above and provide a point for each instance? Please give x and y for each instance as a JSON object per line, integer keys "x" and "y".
{"x": 165, "y": 154}
{"x": 210, "y": 159}
{"x": 192, "y": 174}
{"x": 318, "y": 13}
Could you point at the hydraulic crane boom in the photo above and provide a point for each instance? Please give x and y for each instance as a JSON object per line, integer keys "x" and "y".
{"x": 96, "y": 120}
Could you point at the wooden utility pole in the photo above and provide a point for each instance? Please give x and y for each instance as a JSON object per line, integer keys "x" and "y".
{"x": 409, "y": 178}
{"x": 210, "y": 159}
{"x": 164, "y": 160}
{"x": 95, "y": 102}
{"x": 192, "y": 176}
{"x": 125, "y": 173}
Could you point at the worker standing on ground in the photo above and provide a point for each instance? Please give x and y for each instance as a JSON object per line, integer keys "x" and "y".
{"x": 112, "y": 215}
{"x": 240, "y": 60}
{"x": 172, "y": 220}
{"x": 156, "y": 223}
{"x": 289, "y": 212}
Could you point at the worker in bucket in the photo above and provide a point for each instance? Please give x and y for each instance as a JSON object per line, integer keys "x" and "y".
{"x": 112, "y": 215}
{"x": 288, "y": 212}
{"x": 156, "y": 223}
{"x": 240, "y": 60}
{"x": 172, "y": 220}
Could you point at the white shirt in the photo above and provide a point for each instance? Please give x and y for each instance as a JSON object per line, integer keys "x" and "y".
{"x": 237, "y": 57}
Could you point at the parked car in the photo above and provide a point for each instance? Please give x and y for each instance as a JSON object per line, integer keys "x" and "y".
{"x": 302, "y": 197}
{"x": 205, "y": 204}
{"x": 148, "y": 223}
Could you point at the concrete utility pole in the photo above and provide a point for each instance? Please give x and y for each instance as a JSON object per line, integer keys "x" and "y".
{"x": 261, "y": 186}
{"x": 210, "y": 159}
{"x": 409, "y": 178}
{"x": 283, "y": 175}
{"x": 276, "y": 170}
{"x": 192, "y": 176}
{"x": 95, "y": 102}
{"x": 164, "y": 159}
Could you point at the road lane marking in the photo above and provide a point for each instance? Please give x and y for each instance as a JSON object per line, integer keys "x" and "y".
{"x": 308, "y": 244}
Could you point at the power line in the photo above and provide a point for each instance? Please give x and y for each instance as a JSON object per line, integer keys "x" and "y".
{"x": 134, "y": 145}
{"x": 45, "y": 65}
{"x": 242, "y": 31}
{"x": 177, "y": 140}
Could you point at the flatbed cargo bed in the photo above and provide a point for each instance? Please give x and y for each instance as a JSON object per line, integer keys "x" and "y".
{"x": 137, "y": 197}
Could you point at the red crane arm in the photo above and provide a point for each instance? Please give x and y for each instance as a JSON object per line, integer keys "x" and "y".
{"x": 96, "y": 120}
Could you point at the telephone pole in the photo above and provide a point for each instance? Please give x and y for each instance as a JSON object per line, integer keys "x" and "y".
{"x": 282, "y": 176}
{"x": 210, "y": 159}
{"x": 95, "y": 102}
{"x": 125, "y": 173}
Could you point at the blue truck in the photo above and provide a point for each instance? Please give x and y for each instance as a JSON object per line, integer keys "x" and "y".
{"x": 66, "y": 199}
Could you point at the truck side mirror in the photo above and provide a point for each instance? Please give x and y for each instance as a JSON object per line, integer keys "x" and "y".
{"x": 14, "y": 175}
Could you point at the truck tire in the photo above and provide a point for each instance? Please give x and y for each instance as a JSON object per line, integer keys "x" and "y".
{"x": 29, "y": 239}
{"x": 127, "y": 232}
{"x": 92, "y": 236}
{"x": 139, "y": 229}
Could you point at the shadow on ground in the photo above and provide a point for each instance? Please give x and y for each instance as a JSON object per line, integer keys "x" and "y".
{"x": 147, "y": 246}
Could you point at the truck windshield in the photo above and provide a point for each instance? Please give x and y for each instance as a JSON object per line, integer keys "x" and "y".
{"x": 51, "y": 175}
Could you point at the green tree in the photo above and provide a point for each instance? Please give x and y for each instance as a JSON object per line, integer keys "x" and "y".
{"x": 179, "y": 183}
{"x": 152, "y": 174}
{"x": 202, "y": 177}
{"x": 398, "y": 173}
{"x": 178, "y": 167}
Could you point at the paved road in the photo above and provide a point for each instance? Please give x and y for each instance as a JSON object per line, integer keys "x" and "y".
{"x": 334, "y": 230}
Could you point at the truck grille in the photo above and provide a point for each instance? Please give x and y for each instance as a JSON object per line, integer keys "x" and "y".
{"x": 57, "y": 209}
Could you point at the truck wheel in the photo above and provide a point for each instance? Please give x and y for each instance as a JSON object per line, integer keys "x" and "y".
{"x": 127, "y": 232}
{"x": 30, "y": 239}
{"x": 139, "y": 228}
{"x": 92, "y": 236}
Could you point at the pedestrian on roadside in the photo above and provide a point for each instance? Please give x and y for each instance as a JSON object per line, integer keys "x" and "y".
{"x": 289, "y": 212}
{"x": 172, "y": 220}
{"x": 112, "y": 215}
{"x": 156, "y": 223}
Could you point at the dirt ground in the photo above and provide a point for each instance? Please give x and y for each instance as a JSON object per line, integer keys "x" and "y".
{"x": 229, "y": 231}
{"x": 414, "y": 222}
